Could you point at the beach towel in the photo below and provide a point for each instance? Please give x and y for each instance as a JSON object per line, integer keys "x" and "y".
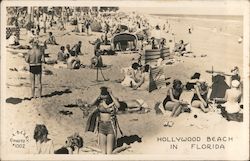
{"x": 92, "y": 121}
{"x": 219, "y": 87}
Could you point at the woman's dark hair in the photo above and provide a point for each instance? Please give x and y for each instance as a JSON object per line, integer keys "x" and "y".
{"x": 40, "y": 131}
{"x": 62, "y": 48}
{"x": 135, "y": 66}
{"x": 196, "y": 76}
{"x": 177, "y": 85}
{"x": 105, "y": 93}
{"x": 204, "y": 86}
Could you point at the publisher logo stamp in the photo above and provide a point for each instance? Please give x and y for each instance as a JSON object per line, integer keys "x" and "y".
{"x": 19, "y": 139}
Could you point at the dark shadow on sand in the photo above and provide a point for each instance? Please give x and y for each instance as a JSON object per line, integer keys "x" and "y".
{"x": 128, "y": 140}
{"x": 57, "y": 93}
{"x": 15, "y": 101}
{"x": 71, "y": 105}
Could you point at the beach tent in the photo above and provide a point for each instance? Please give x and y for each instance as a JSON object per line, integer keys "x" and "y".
{"x": 124, "y": 41}
{"x": 121, "y": 28}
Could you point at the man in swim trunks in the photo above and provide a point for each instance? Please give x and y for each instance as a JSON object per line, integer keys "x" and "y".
{"x": 35, "y": 58}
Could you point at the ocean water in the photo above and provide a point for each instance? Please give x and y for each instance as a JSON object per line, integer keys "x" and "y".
{"x": 227, "y": 24}
{"x": 211, "y": 17}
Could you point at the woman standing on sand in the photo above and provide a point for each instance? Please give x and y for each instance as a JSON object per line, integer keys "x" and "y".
{"x": 103, "y": 120}
{"x": 172, "y": 102}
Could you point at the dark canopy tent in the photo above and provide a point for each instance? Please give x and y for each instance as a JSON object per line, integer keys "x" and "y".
{"x": 124, "y": 41}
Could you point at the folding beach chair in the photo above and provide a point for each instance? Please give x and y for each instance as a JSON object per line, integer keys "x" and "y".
{"x": 156, "y": 78}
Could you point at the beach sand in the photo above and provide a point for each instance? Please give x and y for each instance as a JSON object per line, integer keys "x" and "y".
{"x": 223, "y": 53}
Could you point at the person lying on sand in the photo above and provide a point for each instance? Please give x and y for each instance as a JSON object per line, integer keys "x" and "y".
{"x": 44, "y": 145}
{"x": 231, "y": 110}
{"x": 172, "y": 102}
{"x": 132, "y": 105}
{"x": 72, "y": 145}
{"x": 51, "y": 40}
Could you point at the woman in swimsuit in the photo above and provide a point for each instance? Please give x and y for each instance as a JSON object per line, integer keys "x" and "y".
{"x": 200, "y": 97}
{"x": 172, "y": 102}
{"x": 231, "y": 110}
{"x": 107, "y": 105}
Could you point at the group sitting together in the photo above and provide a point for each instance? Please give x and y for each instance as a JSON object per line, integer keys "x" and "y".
{"x": 201, "y": 98}
{"x": 136, "y": 76}
{"x": 69, "y": 56}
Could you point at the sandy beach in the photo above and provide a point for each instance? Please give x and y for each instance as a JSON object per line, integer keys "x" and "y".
{"x": 65, "y": 87}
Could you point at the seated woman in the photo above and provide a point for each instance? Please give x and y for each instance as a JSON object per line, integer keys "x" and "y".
{"x": 180, "y": 48}
{"x": 231, "y": 109}
{"x": 131, "y": 75}
{"x": 44, "y": 145}
{"x": 192, "y": 82}
{"x": 13, "y": 40}
{"x": 200, "y": 98}
{"x": 32, "y": 37}
{"x": 51, "y": 40}
{"x": 172, "y": 102}
{"x": 144, "y": 80}
{"x": 103, "y": 120}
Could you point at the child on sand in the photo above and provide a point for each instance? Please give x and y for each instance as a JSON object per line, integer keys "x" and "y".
{"x": 72, "y": 145}
{"x": 44, "y": 145}
{"x": 51, "y": 40}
